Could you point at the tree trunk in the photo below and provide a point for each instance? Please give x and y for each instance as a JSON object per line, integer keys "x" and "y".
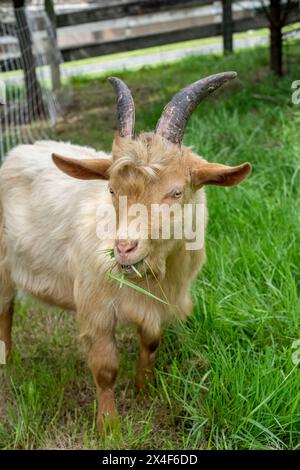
{"x": 53, "y": 49}
{"x": 227, "y": 26}
{"x": 276, "y": 37}
{"x": 35, "y": 105}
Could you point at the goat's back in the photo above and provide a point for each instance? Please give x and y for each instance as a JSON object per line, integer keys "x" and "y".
{"x": 42, "y": 211}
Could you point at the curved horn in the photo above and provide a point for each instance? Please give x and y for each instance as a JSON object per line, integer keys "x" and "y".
{"x": 125, "y": 108}
{"x": 175, "y": 115}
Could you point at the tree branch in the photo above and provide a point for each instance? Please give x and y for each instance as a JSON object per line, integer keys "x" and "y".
{"x": 285, "y": 9}
{"x": 266, "y": 11}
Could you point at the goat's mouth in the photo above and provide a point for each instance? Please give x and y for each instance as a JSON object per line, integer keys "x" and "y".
{"x": 137, "y": 269}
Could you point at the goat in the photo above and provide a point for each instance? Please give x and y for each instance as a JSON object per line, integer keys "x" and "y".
{"x": 49, "y": 245}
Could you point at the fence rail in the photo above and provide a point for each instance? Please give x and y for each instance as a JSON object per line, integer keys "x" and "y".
{"x": 132, "y": 8}
{"x": 169, "y": 37}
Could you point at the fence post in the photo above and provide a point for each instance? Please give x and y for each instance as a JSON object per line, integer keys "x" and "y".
{"x": 53, "y": 49}
{"x": 227, "y": 26}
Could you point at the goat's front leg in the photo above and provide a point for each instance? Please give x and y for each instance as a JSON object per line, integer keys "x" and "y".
{"x": 148, "y": 346}
{"x": 6, "y": 315}
{"x": 103, "y": 362}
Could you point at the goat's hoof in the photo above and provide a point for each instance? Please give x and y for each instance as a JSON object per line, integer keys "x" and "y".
{"x": 144, "y": 383}
{"x": 107, "y": 424}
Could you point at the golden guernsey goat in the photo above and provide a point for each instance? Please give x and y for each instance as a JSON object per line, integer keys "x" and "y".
{"x": 53, "y": 243}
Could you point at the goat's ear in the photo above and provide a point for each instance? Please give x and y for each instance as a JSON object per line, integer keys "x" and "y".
{"x": 219, "y": 175}
{"x": 89, "y": 169}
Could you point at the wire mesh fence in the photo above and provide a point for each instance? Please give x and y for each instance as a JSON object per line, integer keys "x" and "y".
{"x": 29, "y": 76}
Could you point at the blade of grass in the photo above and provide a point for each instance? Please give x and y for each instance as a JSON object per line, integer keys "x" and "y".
{"x": 155, "y": 277}
{"x": 107, "y": 251}
{"x": 135, "y": 287}
{"x": 136, "y": 271}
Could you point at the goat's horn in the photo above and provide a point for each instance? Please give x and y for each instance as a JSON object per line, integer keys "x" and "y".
{"x": 125, "y": 108}
{"x": 174, "y": 118}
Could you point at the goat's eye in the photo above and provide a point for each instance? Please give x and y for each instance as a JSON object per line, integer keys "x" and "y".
{"x": 177, "y": 193}
{"x": 110, "y": 190}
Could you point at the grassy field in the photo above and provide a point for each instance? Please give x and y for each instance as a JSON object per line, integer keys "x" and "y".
{"x": 225, "y": 379}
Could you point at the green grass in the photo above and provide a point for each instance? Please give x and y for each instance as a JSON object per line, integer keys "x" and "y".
{"x": 225, "y": 379}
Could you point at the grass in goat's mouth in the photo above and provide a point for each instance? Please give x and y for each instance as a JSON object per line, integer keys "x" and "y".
{"x": 129, "y": 269}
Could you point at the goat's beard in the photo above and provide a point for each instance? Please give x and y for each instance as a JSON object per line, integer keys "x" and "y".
{"x": 160, "y": 254}
{"x": 155, "y": 267}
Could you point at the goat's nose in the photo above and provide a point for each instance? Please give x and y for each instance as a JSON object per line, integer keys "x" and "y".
{"x": 126, "y": 246}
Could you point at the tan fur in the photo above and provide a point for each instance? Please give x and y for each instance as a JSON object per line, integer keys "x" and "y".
{"x": 50, "y": 249}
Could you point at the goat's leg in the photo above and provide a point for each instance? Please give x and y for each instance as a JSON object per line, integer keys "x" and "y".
{"x": 7, "y": 293}
{"x": 6, "y": 315}
{"x": 103, "y": 362}
{"x": 148, "y": 347}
